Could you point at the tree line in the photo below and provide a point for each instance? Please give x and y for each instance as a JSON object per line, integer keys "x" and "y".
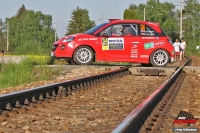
{"x": 31, "y": 32}
{"x": 168, "y": 15}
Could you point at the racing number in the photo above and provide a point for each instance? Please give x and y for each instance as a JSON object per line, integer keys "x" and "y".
{"x": 105, "y": 44}
{"x": 142, "y": 27}
{"x": 104, "y": 41}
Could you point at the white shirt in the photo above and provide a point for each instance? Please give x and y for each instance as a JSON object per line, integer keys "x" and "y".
{"x": 183, "y": 45}
{"x": 176, "y": 46}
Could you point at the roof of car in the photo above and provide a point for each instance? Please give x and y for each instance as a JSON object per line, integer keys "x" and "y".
{"x": 154, "y": 25}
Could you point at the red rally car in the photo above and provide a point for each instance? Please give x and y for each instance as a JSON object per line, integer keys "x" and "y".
{"x": 117, "y": 40}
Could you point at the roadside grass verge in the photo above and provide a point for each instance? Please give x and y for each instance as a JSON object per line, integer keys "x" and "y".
{"x": 12, "y": 74}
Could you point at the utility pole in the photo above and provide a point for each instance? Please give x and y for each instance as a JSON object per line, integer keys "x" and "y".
{"x": 7, "y": 35}
{"x": 181, "y": 18}
{"x": 55, "y": 31}
{"x": 145, "y": 11}
{"x": 101, "y": 18}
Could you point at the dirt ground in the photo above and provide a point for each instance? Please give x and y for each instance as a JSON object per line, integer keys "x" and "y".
{"x": 195, "y": 60}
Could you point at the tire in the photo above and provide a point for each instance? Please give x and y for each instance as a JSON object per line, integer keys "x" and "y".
{"x": 159, "y": 58}
{"x": 146, "y": 65}
{"x": 83, "y": 55}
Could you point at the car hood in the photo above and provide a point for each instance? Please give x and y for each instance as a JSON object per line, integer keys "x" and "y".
{"x": 79, "y": 35}
{"x": 74, "y": 35}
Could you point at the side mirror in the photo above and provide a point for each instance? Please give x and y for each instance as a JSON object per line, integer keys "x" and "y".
{"x": 105, "y": 35}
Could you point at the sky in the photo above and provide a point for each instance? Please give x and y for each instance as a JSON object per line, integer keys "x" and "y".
{"x": 61, "y": 9}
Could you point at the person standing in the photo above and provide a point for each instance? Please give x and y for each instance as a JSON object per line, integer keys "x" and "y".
{"x": 2, "y": 52}
{"x": 176, "y": 48}
{"x": 182, "y": 47}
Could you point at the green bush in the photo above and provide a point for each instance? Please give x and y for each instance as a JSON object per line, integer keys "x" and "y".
{"x": 191, "y": 49}
{"x": 16, "y": 74}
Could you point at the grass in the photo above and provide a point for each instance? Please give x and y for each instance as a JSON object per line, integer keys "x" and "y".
{"x": 12, "y": 74}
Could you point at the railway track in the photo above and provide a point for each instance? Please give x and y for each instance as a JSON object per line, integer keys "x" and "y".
{"x": 149, "y": 115}
{"x": 97, "y": 107}
{"x": 92, "y": 104}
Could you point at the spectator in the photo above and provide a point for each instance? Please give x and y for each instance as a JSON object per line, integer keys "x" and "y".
{"x": 176, "y": 48}
{"x": 182, "y": 51}
{"x": 2, "y": 52}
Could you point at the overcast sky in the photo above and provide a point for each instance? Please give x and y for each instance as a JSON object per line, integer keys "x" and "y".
{"x": 61, "y": 9}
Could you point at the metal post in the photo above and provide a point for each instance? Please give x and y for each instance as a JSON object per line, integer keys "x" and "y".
{"x": 181, "y": 19}
{"x": 55, "y": 31}
{"x": 101, "y": 18}
{"x": 7, "y": 35}
{"x": 144, "y": 14}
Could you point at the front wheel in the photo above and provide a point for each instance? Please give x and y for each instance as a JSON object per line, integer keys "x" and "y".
{"x": 83, "y": 55}
{"x": 159, "y": 58}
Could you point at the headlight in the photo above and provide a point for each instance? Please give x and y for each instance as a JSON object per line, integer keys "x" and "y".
{"x": 68, "y": 39}
{"x": 170, "y": 41}
{"x": 71, "y": 45}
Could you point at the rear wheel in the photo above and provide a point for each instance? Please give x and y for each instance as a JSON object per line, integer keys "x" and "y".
{"x": 83, "y": 55}
{"x": 159, "y": 58}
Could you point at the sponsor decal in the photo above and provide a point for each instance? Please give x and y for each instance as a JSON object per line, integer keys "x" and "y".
{"x": 144, "y": 56}
{"x": 112, "y": 43}
{"x": 134, "y": 46}
{"x": 92, "y": 38}
{"x": 148, "y": 45}
{"x": 134, "y": 55}
{"x": 157, "y": 37}
{"x": 148, "y": 37}
{"x": 85, "y": 39}
{"x": 143, "y": 33}
{"x": 159, "y": 43}
{"x": 134, "y": 51}
{"x": 104, "y": 44}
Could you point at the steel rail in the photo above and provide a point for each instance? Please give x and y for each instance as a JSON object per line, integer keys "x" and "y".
{"x": 26, "y": 97}
{"x": 133, "y": 122}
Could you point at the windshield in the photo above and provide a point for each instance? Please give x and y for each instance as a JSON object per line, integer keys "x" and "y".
{"x": 92, "y": 30}
{"x": 163, "y": 32}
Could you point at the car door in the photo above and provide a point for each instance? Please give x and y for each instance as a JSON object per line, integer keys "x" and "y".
{"x": 133, "y": 43}
{"x": 149, "y": 41}
{"x": 112, "y": 43}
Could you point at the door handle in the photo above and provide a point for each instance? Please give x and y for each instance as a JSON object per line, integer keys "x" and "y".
{"x": 135, "y": 42}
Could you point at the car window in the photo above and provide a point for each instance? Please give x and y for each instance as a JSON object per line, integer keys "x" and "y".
{"x": 134, "y": 29}
{"x": 121, "y": 30}
{"x": 146, "y": 30}
{"x": 92, "y": 30}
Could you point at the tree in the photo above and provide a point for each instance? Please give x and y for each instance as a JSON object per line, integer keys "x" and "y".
{"x": 30, "y": 32}
{"x": 130, "y": 14}
{"x": 133, "y": 7}
{"x": 162, "y": 13}
{"x": 2, "y": 36}
{"x": 80, "y": 21}
{"x": 191, "y": 18}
